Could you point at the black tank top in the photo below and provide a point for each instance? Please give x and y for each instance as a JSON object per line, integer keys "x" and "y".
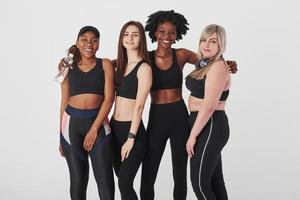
{"x": 129, "y": 83}
{"x": 170, "y": 78}
{"x": 197, "y": 88}
{"x": 91, "y": 82}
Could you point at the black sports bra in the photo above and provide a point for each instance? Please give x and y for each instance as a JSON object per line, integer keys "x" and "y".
{"x": 170, "y": 78}
{"x": 197, "y": 88}
{"x": 91, "y": 82}
{"x": 129, "y": 84}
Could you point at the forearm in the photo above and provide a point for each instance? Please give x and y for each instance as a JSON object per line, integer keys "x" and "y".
{"x": 103, "y": 113}
{"x": 62, "y": 110}
{"x": 136, "y": 118}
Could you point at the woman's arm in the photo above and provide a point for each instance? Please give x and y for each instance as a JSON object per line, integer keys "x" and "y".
{"x": 144, "y": 75}
{"x": 187, "y": 56}
{"x": 65, "y": 95}
{"x": 217, "y": 77}
{"x": 105, "y": 107}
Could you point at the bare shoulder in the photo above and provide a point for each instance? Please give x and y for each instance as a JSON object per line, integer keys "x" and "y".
{"x": 218, "y": 67}
{"x": 107, "y": 64}
{"x": 144, "y": 68}
{"x": 106, "y": 61}
{"x": 183, "y": 52}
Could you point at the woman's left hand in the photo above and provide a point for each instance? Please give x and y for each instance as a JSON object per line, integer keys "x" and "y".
{"x": 126, "y": 148}
{"x": 90, "y": 139}
{"x": 190, "y": 146}
{"x": 232, "y": 66}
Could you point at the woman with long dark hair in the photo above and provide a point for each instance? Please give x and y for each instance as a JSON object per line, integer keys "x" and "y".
{"x": 133, "y": 83}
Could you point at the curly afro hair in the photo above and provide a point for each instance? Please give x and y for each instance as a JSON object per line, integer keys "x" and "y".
{"x": 178, "y": 20}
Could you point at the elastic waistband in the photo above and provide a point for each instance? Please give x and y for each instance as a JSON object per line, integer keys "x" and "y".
{"x": 216, "y": 112}
{"x": 82, "y": 113}
{"x": 153, "y": 105}
{"x": 123, "y": 123}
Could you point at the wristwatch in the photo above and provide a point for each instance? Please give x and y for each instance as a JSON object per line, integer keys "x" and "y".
{"x": 131, "y": 135}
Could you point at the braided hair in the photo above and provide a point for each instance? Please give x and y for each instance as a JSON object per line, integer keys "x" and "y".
{"x": 178, "y": 20}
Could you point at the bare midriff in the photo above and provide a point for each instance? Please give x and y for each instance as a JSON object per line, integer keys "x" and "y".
{"x": 166, "y": 96}
{"x": 195, "y": 104}
{"x": 86, "y": 101}
{"x": 123, "y": 109}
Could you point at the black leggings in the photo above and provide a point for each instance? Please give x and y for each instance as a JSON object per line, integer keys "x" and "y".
{"x": 166, "y": 121}
{"x": 75, "y": 124}
{"x": 206, "y": 165}
{"x": 126, "y": 170}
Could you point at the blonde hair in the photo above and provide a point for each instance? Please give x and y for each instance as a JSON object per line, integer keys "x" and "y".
{"x": 221, "y": 39}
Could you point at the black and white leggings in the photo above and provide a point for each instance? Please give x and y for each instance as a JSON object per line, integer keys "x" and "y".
{"x": 206, "y": 165}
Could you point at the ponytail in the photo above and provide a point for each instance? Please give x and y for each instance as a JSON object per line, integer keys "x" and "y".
{"x": 76, "y": 54}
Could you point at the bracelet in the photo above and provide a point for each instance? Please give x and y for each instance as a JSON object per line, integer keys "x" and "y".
{"x": 131, "y": 135}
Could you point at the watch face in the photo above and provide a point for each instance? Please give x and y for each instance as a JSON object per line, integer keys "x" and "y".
{"x": 131, "y": 135}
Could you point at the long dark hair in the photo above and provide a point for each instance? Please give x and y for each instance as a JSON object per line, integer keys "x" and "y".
{"x": 122, "y": 54}
{"x": 74, "y": 50}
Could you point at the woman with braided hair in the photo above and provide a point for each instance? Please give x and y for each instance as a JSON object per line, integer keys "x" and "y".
{"x": 168, "y": 117}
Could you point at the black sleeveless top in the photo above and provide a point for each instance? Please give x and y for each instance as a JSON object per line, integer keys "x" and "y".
{"x": 129, "y": 83}
{"x": 197, "y": 88}
{"x": 170, "y": 78}
{"x": 91, "y": 82}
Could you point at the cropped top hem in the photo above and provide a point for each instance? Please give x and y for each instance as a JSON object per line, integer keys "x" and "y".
{"x": 86, "y": 91}
{"x": 224, "y": 93}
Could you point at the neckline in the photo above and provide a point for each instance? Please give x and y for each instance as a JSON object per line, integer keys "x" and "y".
{"x": 172, "y": 54}
{"x": 88, "y": 70}
{"x": 133, "y": 69}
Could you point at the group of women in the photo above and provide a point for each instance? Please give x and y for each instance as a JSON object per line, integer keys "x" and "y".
{"x": 123, "y": 143}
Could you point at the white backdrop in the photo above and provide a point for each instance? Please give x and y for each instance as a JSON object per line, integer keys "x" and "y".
{"x": 261, "y": 160}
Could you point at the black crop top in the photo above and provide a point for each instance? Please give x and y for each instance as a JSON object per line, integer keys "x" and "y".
{"x": 170, "y": 78}
{"x": 91, "y": 82}
{"x": 197, "y": 88}
{"x": 129, "y": 84}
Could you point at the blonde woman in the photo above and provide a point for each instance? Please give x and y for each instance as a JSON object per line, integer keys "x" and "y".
{"x": 209, "y": 86}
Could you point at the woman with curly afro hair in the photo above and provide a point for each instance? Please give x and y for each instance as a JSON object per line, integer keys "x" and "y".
{"x": 168, "y": 117}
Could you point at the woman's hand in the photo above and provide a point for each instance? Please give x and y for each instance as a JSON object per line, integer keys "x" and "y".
{"x": 63, "y": 64}
{"x": 126, "y": 148}
{"x": 90, "y": 139}
{"x": 232, "y": 66}
{"x": 190, "y": 146}
{"x": 61, "y": 151}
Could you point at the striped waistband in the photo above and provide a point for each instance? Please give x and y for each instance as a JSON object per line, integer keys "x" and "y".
{"x": 82, "y": 113}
